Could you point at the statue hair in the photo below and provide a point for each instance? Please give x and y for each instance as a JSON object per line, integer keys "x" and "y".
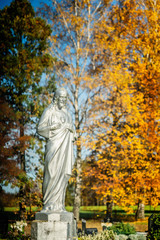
{"x": 57, "y": 94}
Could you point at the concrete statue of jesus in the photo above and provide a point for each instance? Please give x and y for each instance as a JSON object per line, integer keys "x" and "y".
{"x": 56, "y": 126}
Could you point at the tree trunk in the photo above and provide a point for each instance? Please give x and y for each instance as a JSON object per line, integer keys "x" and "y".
{"x": 22, "y": 209}
{"x": 77, "y": 198}
{"x": 109, "y": 205}
{"x": 140, "y": 214}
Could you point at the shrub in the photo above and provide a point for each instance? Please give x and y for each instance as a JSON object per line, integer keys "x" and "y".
{"x": 105, "y": 235}
{"x": 154, "y": 231}
{"x": 122, "y": 228}
{"x": 16, "y": 231}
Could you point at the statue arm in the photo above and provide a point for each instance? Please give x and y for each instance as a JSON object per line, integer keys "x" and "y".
{"x": 72, "y": 130}
{"x": 70, "y": 127}
{"x": 43, "y": 128}
{"x": 43, "y": 131}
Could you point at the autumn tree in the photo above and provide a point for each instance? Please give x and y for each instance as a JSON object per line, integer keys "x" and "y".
{"x": 73, "y": 28}
{"x": 88, "y": 194}
{"x": 144, "y": 39}
{"x": 23, "y": 61}
{"x": 126, "y": 127}
{"x": 8, "y": 165}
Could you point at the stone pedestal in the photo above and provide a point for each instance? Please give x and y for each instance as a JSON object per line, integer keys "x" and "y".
{"x": 54, "y": 226}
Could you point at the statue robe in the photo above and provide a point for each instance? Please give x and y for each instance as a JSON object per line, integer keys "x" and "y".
{"x": 59, "y": 158}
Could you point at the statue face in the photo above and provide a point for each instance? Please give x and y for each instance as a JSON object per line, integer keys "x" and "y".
{"x": 61, "y": 101}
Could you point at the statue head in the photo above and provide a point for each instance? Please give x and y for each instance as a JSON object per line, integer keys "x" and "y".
{"x": 60, "y": 98}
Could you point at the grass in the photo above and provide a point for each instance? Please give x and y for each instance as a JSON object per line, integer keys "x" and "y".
{"x": 103, "y": 208}
{"x": 15, "y": 209}
{"x": 84, "y": 209}
{"x": 97, "y": 212}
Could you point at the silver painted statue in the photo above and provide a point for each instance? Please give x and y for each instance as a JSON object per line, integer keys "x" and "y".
{"x": 56, "y": 126}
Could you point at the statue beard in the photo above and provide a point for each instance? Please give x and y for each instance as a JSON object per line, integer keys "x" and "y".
{"x": 61, "y": 105}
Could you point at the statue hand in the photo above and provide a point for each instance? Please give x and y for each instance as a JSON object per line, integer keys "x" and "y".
{"x": 55, "y": 126}
{"x": 69, "y": 127}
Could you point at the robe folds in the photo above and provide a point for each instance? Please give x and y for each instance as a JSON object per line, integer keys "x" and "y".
{"x": 56, "y": 126}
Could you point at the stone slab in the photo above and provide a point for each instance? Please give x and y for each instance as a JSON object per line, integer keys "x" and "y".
{"x": 47, "y": 216}
{"x": 56, "y": 216}
{"x": 66, "y": 217}
{"x": 49, "y": 230}
{"x": 54, "y": 226}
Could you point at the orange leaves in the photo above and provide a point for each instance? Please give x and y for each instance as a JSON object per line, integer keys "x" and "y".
{"x": 125, "y": 118}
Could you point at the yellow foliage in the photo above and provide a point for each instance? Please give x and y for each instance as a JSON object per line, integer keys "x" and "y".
{"x": 126, "y": 114}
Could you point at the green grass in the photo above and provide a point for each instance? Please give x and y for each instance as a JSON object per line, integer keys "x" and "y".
{"x": 15, "y": 209}
{"x": 115, "y": 208}
{"x": 87, "y": 208}
{"x": 152, "y": 208}
{"x": 97, "y": 212}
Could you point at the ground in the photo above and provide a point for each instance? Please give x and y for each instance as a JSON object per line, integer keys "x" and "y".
{"x": 140, "y": 226}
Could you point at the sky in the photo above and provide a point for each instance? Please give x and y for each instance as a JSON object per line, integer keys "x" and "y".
{"x": 35, "y": 3}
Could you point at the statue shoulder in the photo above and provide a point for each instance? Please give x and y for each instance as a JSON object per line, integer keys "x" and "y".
{"x": 50, "y": 106}
{"x": 68, "y": 113}
{"x": 48, "y": 109}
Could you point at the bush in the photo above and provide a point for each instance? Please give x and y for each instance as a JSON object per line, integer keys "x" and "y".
{"x": 16, "y": 231}
{"x": 154, "y": 231}
{"x": 105, "y": 235}
{"x": 122, "y": 228}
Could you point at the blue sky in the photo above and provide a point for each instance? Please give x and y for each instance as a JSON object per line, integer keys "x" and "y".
{"x": 35, "y": 3}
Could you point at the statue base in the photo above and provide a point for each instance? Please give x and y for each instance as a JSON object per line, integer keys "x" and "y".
{"x": 54, "y": 226}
